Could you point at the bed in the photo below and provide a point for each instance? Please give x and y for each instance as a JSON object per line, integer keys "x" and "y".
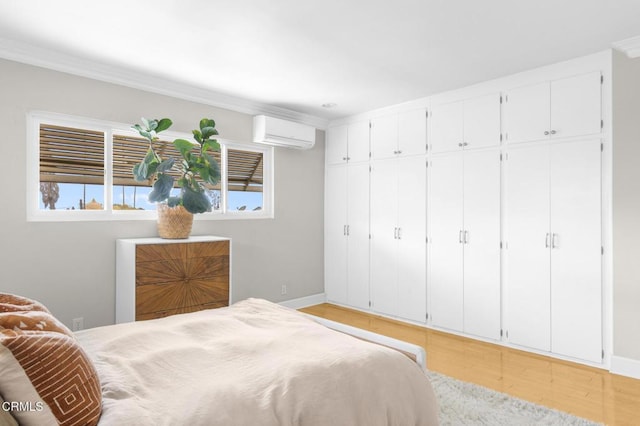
{"x": 253, "y": 363}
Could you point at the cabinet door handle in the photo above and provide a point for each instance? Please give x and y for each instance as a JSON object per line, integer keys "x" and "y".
{"x": 546, "y": 241}
{"x": 460, "y": 237}
{"x": 344, "y": 230}
{"x": 553, "y": 241}
{"x": 395, "y": 233}
{"x": 553, "y": 132}
{"x": 546, "y": 133}
{"x": 465, "y": 143}
{"x": 399, "y": 233}
{"x": 466, "y": 237}
{"x": 399, "y": 151}
{"x": 460, "y": 144}
{"x": 344, "y": 158}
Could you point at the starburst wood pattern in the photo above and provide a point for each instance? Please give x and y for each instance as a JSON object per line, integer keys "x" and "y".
{"x": 584, "y": 391}
{"x": 181, "y": 277}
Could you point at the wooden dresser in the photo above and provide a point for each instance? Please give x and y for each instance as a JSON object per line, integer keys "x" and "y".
{"x": 158, "y": 277}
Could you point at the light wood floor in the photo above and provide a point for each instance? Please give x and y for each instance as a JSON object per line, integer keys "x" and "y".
{"x": 583, "y": 391}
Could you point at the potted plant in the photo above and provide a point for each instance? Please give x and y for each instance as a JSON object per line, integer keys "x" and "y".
{"x": 195, "y": 168}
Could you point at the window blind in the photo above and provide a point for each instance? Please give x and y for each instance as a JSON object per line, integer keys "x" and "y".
{"x": 244, "y": 170}
{"x": 71, "y": 155}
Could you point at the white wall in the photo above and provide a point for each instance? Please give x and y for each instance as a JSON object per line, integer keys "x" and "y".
{"x": 626, "y": 207}
{"x": 70, "y": 266}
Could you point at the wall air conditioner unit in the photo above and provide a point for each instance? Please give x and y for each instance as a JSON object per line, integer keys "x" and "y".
{"x": 274, "y": 131}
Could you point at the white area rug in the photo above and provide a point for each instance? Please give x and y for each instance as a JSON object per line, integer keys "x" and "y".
{"x": 463, "y": 403}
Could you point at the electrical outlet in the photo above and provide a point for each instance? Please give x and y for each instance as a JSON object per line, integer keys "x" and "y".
{"x": 284, "y": 289}
{"x": 78, "y": 324}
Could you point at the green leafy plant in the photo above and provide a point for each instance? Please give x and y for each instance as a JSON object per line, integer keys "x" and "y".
{"x": 195, "y": 163}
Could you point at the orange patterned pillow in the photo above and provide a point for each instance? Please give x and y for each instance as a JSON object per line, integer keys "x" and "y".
{"x": 49, "y": 377}
{"x": 13, "y": 303}
{"x": 32, "y": 320}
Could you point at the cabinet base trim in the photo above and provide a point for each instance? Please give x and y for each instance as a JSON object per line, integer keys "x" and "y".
{"x": 303, "y": 302}
{"x": 625, "y": 367}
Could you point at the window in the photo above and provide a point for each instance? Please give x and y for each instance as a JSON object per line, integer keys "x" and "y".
{"x": 128, "y": 194}
{"x": 244, "y": 180}
{"x": 71, "y": 167}
{"x": 82, "y": 171}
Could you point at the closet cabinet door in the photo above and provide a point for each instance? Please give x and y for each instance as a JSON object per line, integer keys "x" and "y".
{"x": 358, "y": 235}
{"x": 576, "y": 105}
{"x": 384, "y": 137}
{"x": 412, "y": 254}
{"x": 337, "y": 142}
{"x": 447, "y": 127}
{"x": 335, "y": 272}
{"x": 528, "y": 292}
{"x": 412, "y": 132}
{"x": 482, "y": 121}
{"x": 576, "y": 290}
{"x": 482, "y": 243}
{"x": 527, "y": 112}
{"x": 358, "y": 142}
{"x": 384, "y": 242}
{"x": 446, "y": 248}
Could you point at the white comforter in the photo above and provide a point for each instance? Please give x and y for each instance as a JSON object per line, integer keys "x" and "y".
{"x": 254, "y": 363}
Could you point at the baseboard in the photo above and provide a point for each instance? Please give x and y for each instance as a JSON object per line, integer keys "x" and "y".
{"x": 625, "y": 367}
{"x": 303, "y": 302}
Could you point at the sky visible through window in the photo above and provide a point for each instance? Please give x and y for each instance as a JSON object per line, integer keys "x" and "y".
{"x": 73, "y": 196}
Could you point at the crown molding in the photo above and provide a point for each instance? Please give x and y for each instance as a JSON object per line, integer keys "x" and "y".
{"x": 629, "y": 46}
{"x": 83, "y": 67}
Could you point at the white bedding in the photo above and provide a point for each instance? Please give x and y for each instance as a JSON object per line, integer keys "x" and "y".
{"x": 253, "y": 363}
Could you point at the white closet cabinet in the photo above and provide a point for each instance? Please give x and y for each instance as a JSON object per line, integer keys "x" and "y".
{"x": 348, "y": 143}
{"x": 398, "y": 237}
{"x": 347, "y": 234}
{"x": 553, "y": 256}
{"x": 445, "y": 241}
{"x": 472, "y": 123}
{"x": 337, "y": 145}
{"x": 464, "y": 235}
{"x": 335, "y": 234}
{"x": 402, "y": 134}
{"x": 558, "y": 109}
{"x": 481, "y": 224}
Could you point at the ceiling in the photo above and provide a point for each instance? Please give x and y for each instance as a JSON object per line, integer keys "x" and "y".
{"x": 295, "y": 55}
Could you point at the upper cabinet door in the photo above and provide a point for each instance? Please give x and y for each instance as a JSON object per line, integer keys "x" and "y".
{"x": 576, "y": 105}
{"x": 527, "y": 113}
{"x": 336, "y": 150}
{"x": 358, "y": 142}
{"x": 447, "y": 127}
{"x": 384, "y": 137}
{"x": 560, "y": 109}
{"x": 412, "y": 132}
{"x": 482, "y": 121}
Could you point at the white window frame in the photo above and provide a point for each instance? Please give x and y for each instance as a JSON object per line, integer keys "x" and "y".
{"x": 35, "y": 214}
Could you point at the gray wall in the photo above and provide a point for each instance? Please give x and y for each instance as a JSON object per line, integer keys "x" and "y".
{"x": 626, "y": 206}
{"x": 70, "y": 266}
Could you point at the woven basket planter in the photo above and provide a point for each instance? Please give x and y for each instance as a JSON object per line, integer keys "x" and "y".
{"x": 174, "y": 222}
